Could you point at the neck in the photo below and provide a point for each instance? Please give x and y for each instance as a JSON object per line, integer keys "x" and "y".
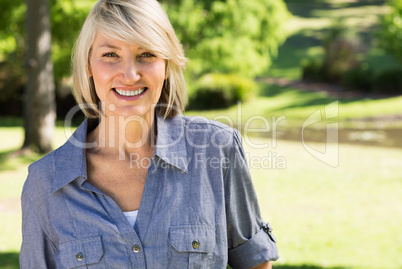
{"x": 123, "y": 136}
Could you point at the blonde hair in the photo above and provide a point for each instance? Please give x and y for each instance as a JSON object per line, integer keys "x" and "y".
{"x": 140, "y": 22}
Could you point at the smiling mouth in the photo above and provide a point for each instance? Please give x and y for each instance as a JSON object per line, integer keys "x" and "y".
{"x": 130, "y": 93}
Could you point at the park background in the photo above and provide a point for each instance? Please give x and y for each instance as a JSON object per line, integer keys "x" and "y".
{"x": 285, "y": 59}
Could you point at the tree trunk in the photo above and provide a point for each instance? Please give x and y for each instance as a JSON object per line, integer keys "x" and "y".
{"x": 40, "y": 90}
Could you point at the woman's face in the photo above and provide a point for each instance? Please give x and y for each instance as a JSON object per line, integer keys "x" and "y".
{"x": 128, "y": 79}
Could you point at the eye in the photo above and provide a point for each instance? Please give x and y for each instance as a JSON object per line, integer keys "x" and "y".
{"x": 110, "y": 55}
{"x": 147, "y": 55}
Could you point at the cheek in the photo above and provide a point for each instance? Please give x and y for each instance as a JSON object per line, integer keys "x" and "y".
{"x": 102, "y": 76}
{"x": 158, "y": 73}
{"x": 102, "y": 72}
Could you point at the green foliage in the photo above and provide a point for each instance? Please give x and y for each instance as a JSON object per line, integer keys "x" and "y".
{"x": 389, "y": 82}
{"x": 345, "y": 62}
{"x": 341, "y": 48}
{"x": 233, "y": 36}
{"x": 221, "y": 91}
{"x": 67, "y": 17}
{"x": 390, "y": 36}
{"x": 361, "y": 77}
{"x": 12, "y": 81}
{"x": 313, "y": 69}
{"x": 12, "y": 44}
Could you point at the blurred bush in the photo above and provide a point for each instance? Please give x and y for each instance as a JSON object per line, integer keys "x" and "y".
{"x": 12, "y": 81}
{"x": 342, "y": 47}
{"x": 361, "y": 77}
{"x": 390, "y": 34}
{"x": 342, "y": 50}
{"x": 388, "y": 81}
{"x": 313, "y": 69}
{"x": 214, "y": 91}
{"x": 343, "y": 62}
{"x": 232, "y": 36}
{"x": 226, "y": 37}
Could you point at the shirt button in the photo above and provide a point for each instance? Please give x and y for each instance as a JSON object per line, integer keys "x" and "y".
{"x": 195, "y": 244}
{"x": 136, "y": 248}
{"x": 79, "y": 256}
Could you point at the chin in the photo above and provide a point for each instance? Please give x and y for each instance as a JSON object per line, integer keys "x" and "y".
{"x": 132, "y": 111}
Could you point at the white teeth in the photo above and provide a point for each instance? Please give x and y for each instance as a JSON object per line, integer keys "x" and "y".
{"x": 130, "y": 93}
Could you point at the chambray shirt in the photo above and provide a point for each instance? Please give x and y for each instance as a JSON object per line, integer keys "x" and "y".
{"x": 198, "y": 208}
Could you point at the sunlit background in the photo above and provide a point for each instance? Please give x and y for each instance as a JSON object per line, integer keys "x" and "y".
{"x": 315, "y": 88}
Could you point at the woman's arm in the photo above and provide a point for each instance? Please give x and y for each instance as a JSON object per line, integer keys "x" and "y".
{"x": 265, "y": 265}
{"x": 249, "y": 238}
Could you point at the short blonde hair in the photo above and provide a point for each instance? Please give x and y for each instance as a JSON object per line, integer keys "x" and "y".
{"x": 140, "y": 22}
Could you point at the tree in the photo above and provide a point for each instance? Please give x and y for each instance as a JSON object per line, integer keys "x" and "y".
{"x": 390, "y": 36}
{"x": 66, "y": 17}
{"x": 40, "y": 91}
{"x": 230, "y": 36}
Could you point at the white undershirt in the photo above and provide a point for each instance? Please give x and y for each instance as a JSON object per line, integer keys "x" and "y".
{"x": 131, "y": 216}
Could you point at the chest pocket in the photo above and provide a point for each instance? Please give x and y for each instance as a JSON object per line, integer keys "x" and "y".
{"x": 192, "y": 246}
{"x": 83, "y": 253}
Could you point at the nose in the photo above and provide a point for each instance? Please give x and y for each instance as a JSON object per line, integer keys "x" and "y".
{"x": 130, "y": 72}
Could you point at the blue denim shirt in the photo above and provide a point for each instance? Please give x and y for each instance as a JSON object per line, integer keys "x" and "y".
{"x": 198, "y": 208}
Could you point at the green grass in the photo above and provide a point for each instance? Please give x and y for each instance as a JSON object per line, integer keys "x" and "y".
{"x": 297, "y": 106}
{"x": 13, "y": 172}
{"x": 323, "y": 217}
{"x": 346, "y": 216}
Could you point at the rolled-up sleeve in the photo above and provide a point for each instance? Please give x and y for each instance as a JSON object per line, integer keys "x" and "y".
{"x": 250, "y": 239}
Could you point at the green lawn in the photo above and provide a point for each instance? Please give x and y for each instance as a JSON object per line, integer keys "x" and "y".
{"x": 348, "y": 216}
{"x": 323, "y": 217}
{"x": 296, "y": 106}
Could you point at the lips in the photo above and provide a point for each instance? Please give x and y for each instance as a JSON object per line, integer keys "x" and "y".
{"x": 130, "y": 93}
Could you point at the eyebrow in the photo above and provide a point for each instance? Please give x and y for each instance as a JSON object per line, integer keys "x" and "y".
{"x": 110, "y": 46}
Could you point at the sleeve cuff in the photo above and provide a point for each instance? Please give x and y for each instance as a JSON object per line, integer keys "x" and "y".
{"x": 258, "y": 249}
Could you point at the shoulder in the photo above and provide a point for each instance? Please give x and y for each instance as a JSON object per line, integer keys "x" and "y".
{"x": 203, "y": 128}
{"x": 40, "y": 175}
{"x": 203, "y": 121}
{"x": 59, "y": 165}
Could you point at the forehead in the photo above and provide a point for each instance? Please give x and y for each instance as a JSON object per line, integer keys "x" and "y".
{"x": 103, "y": 41}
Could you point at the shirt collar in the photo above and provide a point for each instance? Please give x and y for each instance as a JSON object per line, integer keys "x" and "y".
{"x": 70, "y": 161}
{"x": 171, "y": 143}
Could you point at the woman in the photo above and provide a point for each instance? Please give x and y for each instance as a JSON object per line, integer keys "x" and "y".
{"x": 138, "y": 185}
